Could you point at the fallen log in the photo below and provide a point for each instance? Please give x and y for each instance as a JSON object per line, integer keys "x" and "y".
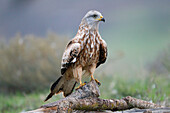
{"x": 85, "y": 99}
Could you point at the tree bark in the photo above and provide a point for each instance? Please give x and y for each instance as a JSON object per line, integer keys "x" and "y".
{"x": 85, "y": 99}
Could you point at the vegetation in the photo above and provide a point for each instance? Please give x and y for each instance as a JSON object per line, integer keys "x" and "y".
{"x": 149, "y": 89}
{"x": 18, "y": 102}
{"x": 161, "y": 65}
{"x": 29, "y": 64}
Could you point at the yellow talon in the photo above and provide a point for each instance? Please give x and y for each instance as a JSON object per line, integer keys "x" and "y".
{"x": 81, "y": 85}
{"x": 92, "y": 78}
{"x": 97, "y": 82}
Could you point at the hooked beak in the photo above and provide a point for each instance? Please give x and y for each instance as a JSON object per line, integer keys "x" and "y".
{"x": 101, "y": 19}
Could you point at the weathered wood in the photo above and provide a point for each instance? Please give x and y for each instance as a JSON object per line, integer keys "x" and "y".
{"x": 86, "y": 99}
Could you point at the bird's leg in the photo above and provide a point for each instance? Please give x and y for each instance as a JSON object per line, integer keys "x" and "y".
{"x": 92, "y": 78}
{"x": 77, "y": 72}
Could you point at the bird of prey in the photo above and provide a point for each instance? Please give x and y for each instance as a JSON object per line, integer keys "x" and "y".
{"x": 82, "y": 55}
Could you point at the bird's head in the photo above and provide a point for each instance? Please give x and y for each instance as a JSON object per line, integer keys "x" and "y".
{"x": 92, "y": 19}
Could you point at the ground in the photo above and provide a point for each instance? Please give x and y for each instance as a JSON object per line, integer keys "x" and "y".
{"x": 152, "y": 88}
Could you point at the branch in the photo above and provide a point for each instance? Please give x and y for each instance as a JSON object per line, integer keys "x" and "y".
{"x": 86, "y": 99}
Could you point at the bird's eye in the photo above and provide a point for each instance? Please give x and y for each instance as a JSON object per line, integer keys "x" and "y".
{"x": 94, "y": 16}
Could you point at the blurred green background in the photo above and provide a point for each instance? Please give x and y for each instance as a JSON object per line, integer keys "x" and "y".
{"x": 33, "y": 35}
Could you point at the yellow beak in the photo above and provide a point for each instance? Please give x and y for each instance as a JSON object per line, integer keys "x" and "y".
{"x": 101, "y": 19}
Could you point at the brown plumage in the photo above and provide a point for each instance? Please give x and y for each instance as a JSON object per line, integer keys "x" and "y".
{"x": 83, "y": 54}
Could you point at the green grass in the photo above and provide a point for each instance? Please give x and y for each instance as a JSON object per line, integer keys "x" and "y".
{"x": 151, "y": 88}
{"x": 15, "y": 103}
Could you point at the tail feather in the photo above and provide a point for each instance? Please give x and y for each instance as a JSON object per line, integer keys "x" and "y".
{"x": 62, "y": 85}
{"x": 55, "y": 83}
{"x": 49, "y": 96}
{"x": 68, "y": 89}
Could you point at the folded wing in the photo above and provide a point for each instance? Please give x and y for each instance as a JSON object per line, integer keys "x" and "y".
{"x": 103, "y": 53}
{"x": 70, "y": 56}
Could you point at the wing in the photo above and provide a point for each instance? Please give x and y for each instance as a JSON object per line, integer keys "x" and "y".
{"x": 103, "y": 53}
{"x": 70, "y": 56}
